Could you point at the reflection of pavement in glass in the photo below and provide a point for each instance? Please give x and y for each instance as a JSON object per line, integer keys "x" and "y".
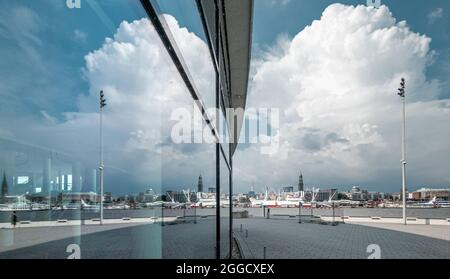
{"x": 108, "y": 241}
{"x": 187, "y": 240}
{"x": 288, "y": 239}
{"x": 23, "y": 237}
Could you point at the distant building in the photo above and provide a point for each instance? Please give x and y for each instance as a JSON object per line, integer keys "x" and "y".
{"x": 15, "y": 199}
{"x": 107, "y": 197}
{"x": 288, "y": 189}
{"x": 415, "y": 196}
{"x": 301, "y": 187}
{"x": 429, "y": 193}
{"x": 251, "y": 193}
{"x": 211, "y": 190}
{"x": 358, "y": 195}
{"x": 355, "y": 189}
{"x": 147, "y": 196}
{"x": 396, "y": 196}
{"x": 126, "y": 199}
{"x": 325, "y": 195}
{"x": 73, "y": 197}
{"x": 374, "y": 196}
{"x": 175, "y": 196}
{"x": 242, "y": 199}
{"x": 406, "y": 194}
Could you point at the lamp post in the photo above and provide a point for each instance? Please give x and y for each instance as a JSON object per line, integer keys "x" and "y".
{"x": 299, "y": 212}
{"x": 402, "y": 94}
{"x": 101, "y": 167}
{"x": 332, "y": 205}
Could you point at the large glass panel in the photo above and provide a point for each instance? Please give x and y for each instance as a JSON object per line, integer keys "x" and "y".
{"x": 184, "y": 22}
{"x": 52, "y": 74}
{"x": 188, "y": 183}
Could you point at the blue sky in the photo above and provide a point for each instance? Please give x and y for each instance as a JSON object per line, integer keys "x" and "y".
{"x": 68, "y": 49}
{"x": 273, "y": 18}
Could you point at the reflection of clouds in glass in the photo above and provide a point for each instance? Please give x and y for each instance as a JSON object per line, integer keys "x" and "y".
{"x": 79, "y": 36}
{"x": 21, "y": 25}
{"x": 142, "y": 87}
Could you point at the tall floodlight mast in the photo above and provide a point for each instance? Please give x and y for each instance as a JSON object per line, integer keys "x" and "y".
{"x": 402, "y": 94}
{"x": 101, "y": 167}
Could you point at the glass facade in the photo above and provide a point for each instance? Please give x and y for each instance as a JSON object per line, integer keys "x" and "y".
{"x": 149, "y": 145}
{"x": 118, "y": 124}
{"x": 185, "y": 26}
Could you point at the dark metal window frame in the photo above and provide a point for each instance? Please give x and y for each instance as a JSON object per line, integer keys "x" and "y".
{"x": 161, "y": 27}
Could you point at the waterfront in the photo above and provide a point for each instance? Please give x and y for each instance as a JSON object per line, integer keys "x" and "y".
{"x": 432, "y": 213}
{"x": 53, "y": 215}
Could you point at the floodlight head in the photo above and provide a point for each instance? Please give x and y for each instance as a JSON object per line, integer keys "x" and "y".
{"x": 102, "y": 99}
{"x": 401, "y": 90}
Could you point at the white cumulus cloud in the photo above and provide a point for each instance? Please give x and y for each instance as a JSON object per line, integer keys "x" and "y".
{"x": 335, "y": 83}
{"x": 142, "y": 88}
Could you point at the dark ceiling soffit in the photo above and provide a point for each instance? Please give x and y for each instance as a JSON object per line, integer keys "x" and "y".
{"x": 213, "y": 38}
{"x": 239, "y": 19}
{"x": 236, "y": 99}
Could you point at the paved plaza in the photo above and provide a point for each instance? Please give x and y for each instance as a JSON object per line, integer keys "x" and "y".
{"x": 290, "y": 240}
{"x": 282, "y": 239}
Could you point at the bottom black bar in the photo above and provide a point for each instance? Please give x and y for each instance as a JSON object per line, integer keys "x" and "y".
{"x": 223, "y": 269}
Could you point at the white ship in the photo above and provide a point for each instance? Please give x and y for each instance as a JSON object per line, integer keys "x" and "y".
{"x": 19, "y": 203}
{"x": 433, "y": 203}
{"x": 209, "y": 201}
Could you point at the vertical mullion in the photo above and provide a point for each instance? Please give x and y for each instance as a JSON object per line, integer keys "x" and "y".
{"x": 218, "y": 81}
{"x": 230, "y": 180}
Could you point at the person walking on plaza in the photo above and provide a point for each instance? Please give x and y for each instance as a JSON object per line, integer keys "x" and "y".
{"x": 14, "y": 219}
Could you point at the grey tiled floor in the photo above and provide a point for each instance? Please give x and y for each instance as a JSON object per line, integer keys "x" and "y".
{"x": 288, "y": 239}
{"x": 283, "y": 239}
